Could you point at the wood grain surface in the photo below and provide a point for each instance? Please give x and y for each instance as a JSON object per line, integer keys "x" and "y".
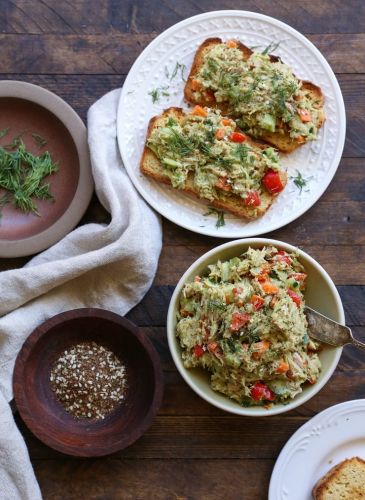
{"x": 193, "y": 450}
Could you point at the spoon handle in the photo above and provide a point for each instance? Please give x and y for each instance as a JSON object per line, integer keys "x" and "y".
{"x": 357, "y": 343}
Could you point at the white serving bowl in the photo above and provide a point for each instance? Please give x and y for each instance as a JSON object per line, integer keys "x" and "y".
{"x": 321, "y": 295}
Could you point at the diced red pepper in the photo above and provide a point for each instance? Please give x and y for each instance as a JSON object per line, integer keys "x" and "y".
{"x": 237, "y": 137}
{"x": 269, "y": 288}
{"x": 260, "y": 348}
{"x": 220, "y": 133}
{"x": 232, "y": 44}
{"x": 305, "y": 115}
{"x": 212, "y": 346}
{"x": 282, "y": 256}
{"x": 261, "y": 392}
{"x": 185, "y": 314}
{"x": 295, "y": 297}
{"x": 272, "y": 182}
{"x": 298, "y": 276}
{"x": 239, "y": 320}
{"x": 252, "y": 199}
{"x": 198, "y": 351}
{"x": 257, "y": 302}
{"x": 237, "y": 290}
{"x": 199, "y": 111}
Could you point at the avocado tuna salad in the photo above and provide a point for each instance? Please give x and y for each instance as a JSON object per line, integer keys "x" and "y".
{"x": 209, "y": 148}
{"x": 260, "y": 91}
{"x": 244, "y": 322}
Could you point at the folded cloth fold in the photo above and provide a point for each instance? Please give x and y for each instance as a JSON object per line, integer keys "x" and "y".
{"x": 109, "y": 266}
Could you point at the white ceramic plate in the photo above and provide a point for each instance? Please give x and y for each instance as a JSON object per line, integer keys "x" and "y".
{"x": 22, "y": 234}
{"x": 316, "y": 161}
{"x": 328, "y": 438}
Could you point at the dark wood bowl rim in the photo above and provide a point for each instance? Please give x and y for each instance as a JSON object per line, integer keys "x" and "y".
{"x": 36, "y": 427}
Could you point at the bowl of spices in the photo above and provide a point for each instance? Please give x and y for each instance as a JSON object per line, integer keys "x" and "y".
{"x": 88, "y": 382}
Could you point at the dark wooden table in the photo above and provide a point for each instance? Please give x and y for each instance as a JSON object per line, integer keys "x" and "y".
{"x": 81, "y": 49}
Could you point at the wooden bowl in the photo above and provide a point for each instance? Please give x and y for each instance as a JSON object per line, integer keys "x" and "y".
{"x": 44, "y": 414}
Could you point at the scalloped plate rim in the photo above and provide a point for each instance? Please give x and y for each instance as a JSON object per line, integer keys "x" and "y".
{"x": 245, "y": 230}
{"x": 289, "y": 449}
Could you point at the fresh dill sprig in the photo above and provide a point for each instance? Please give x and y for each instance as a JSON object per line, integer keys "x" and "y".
{"x": 270, "y": 48}
{"x": 171, "y": 122}
{"x": 242, "y": 151}
{"x": 179, "y": 68}
{"x": 180, "y": 144}
{"x": 4, "y": 132}
{"x": 300, "y": 181}
{"x": 39, "y": 140}
{"x": 14, "y": 144}
{"x": 220, "y": 216}
{"x": 157, "y": 93}
{"x": 22, "y": 176}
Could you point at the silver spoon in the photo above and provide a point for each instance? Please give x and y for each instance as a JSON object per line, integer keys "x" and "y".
{"x": 328, "y": 331}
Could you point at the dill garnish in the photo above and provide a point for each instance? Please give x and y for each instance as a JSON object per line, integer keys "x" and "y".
{"x": 220, "y": 216}
{"x": 171, "y": 122}
{"x": 157, "y": 93}
{"x": 300, "y": 181}
{"x": 178, "y": 68}
{"x": 14, "y": 144}
{"x": 241, "y": 152}
{"x": 215, "y": 304}
{"x": 4, "y": 132}
{"x": 39, "y": 140}
{"x": 270, "y": 48}
{"x": 180, "y": 144}
{"x": 22, "y": 174}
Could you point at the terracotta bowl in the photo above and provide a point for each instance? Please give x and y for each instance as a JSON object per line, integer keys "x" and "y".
{"x": 46, "y": 417}
{"x": 28, "y": 110}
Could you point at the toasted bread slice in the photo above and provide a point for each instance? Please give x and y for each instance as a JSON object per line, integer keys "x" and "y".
{"x": 151, "y": 166}
{"x": 345, "y": 481}
{"x": 281, "y": 141}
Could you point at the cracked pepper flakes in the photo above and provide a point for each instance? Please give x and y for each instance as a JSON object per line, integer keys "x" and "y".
{"x": 88, "y": 380}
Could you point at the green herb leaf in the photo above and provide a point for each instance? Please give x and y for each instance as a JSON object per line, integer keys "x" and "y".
{"x": 39, "y": 140}
{"x": 270, "y": 48}
{"x": 157, "y": 93}
{"x": 215, "y": 304}
{"x": 22, "y": 175}
{"x": 231, "y": 344}
{"x": 171, "y": 122}
{"x": 300, "y": 181}
{"x": 178, "y": 68}
{"x": 15, "y": 143}
{"x": 220, "y": 216}
{"x": 4, "y": 132}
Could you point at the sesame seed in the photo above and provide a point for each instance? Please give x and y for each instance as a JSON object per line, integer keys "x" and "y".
{"x": 89, "y": 380}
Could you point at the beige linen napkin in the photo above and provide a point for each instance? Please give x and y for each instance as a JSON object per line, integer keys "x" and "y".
{"x": 108, "y": 266}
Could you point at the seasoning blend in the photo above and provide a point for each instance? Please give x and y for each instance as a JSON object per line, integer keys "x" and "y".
{"x": 89, "y": 380}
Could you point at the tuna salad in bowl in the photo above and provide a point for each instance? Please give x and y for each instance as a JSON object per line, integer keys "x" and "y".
{"x": 237, "y": 329}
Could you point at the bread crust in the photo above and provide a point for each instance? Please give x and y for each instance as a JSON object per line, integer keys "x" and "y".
{"x": 321, "y": 487}
{"x": 282, "y": 142}
{"x": 151, "y": 167}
